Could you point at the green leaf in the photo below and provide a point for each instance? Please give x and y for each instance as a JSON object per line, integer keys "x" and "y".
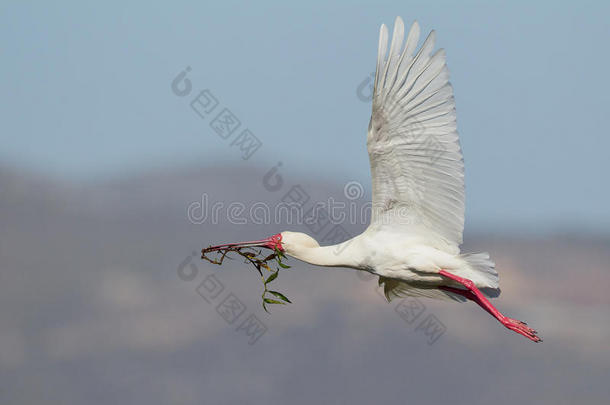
{"x": 271, "y": 277}
{"x": 284, "y": 266}
{"x": 265, "y": 307}
{"x": 270, "y": 301}
{"x": 280, "y": 295}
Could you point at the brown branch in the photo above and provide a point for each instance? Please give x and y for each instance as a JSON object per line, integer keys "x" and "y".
{"x": 252, "y": 256}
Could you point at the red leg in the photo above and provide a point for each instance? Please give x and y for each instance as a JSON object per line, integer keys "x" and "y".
{"x": 475, "y": 295}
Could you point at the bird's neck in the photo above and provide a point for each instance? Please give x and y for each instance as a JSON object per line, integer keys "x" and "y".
{"x": 331, "y": 256}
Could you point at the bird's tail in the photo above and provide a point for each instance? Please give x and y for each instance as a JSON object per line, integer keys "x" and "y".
{"x": 483, "y": 273}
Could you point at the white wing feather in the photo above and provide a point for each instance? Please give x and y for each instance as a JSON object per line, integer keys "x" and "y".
{"x": 416, "y": 160}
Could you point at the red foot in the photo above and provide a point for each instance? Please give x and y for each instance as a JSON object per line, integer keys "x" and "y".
{"x": 521, "y": 328}
{"x": 475, "y": 295}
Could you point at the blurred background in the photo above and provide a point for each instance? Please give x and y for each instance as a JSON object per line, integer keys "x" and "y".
{"x": 123, "y": 123}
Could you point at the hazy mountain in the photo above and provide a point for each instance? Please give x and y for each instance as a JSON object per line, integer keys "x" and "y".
{"x": 98, "y": 306}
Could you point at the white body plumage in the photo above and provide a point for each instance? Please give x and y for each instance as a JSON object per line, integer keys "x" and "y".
{"x": 418, "y": 179}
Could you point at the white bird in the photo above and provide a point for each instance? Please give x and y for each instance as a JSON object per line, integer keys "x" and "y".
{"x": 413, "y": 240}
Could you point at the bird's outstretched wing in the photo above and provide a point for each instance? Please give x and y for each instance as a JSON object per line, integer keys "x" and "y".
{"x": 393, "y": 288}
{"x": 416, "y": 160}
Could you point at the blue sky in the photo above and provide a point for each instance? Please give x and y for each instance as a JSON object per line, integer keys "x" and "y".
{"x": 86, "y": 93}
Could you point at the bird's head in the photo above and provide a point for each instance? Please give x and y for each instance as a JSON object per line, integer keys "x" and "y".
{"x": 292, "y": 241}
{"x": 286, "y": 242}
